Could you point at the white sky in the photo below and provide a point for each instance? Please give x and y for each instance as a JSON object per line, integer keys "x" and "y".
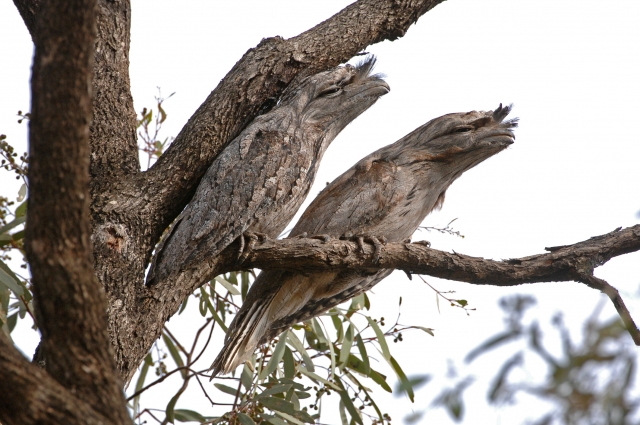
{"x": 570, "y": 67}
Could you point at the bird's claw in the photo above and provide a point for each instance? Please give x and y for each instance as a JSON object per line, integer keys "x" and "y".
{"x": 246, "y": 248}
{"x": 377, "y": 241}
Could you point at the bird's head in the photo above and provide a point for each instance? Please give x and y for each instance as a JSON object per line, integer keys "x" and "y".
{"x": 330, "y": 100}
{"x": 461, "y": 140}
{"x": 447, "y": 146}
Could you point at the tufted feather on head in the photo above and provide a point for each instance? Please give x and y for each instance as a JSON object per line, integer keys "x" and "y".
{"x": 365, "y": 67}
{"x": 501, "y": 112}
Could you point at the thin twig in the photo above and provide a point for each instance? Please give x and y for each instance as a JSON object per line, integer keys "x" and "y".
{"x": 617, "y": 301}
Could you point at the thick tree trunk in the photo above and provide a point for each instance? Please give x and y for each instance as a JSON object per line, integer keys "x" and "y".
{"x": 69, "y": 301}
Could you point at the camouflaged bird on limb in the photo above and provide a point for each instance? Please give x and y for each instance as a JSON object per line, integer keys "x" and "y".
{"x": 260, "y": 180}
{"x": 384, "y": 197}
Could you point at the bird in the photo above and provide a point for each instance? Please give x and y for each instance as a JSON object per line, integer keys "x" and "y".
{"x": 260, "y": 180}
{"x": 383, "y": 197}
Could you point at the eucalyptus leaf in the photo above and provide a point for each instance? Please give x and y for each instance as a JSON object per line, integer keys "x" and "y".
{"x": 413, "y": 383}
{"x": 175, "y": 354}
{"x": 244, "y": 286}
{"x": 343, "y": 414}
{"x": 289, "y": 363}
{"x": 276, "y": 389}
{"x": 296, "y": 344}
{"x": 246, "y": 377}
{"x": 22, "y": 209}
{"x": 228, "y": 285}
{"x": 202, "y": 304}
{"x": 318, "y": 331}
{"x": 422, "y": 328}
{"x": 347, "y": 342}
{"x": 183, "y": 305}
{"x": 12, "y": 321}
{"x": 337, "y": 323}
{"x": 169, "y": 411}
{"x": 317, "y": 378}
{"x": 346, "y": 400}
{"x": 363, "y": 353}
{"x": 14, "y": 223}
{"x": 287, "y": 410}
{"x": 291, "y": 418}
{"x": 381, "y": 339}
{"x": 148, "y": 361}
{"x": 226, "y": 389}
{"x": 274, "y": 420}
{"x": 245, "y": 419}
{"x": 185, "y": 415}
{"x": 22, "y": 193}
{"x": 8, "y": 280}
{"x": 214, "y": 313}
{"x": 278, "y": 352}
{"x": 405, "y": 383}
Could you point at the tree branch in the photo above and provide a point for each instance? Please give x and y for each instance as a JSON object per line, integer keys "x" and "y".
{"x": 567, "y": 263}
{"x": 69, "y": 302}
{"x": 31, "y": 396}
{"x": 28, "y": 10}
{"x": 113, "y": 139}
{"x": 114, "y": 149}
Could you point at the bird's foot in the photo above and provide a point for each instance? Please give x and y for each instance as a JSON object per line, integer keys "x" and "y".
{"x": 424, "y": 243}
{"x": 247, "y": 247}
{"x": 377, "y": 241}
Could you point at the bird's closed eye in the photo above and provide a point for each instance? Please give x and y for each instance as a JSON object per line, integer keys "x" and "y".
{"x": 462, "y": 129}
{"x": 330, "y": 91}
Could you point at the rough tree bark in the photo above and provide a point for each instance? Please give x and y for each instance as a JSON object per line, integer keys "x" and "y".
{"x": 69, "y": 301}
{"x": 129, "y": 210}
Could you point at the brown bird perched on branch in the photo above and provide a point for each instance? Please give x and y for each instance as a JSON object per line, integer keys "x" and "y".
{"x": 258, "y": 183}
{"x": 385, "y": 196}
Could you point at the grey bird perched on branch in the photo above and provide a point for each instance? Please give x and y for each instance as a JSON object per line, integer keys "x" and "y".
{"x": 258, "y": 183}
{"x": 385, "y": 196}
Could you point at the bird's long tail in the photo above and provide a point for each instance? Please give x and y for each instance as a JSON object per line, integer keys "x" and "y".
{"x": 243, "y": 336}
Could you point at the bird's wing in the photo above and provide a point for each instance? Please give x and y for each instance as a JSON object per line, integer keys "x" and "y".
{"x": 356, "y": 202}
{"x": 248, "y": 185}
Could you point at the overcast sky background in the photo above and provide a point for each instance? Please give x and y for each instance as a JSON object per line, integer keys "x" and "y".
{"x": 570, "y": 67}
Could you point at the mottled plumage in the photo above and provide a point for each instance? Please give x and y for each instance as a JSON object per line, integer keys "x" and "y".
{"x": 260, "y": 180}
{"x": 386, "y": 194}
